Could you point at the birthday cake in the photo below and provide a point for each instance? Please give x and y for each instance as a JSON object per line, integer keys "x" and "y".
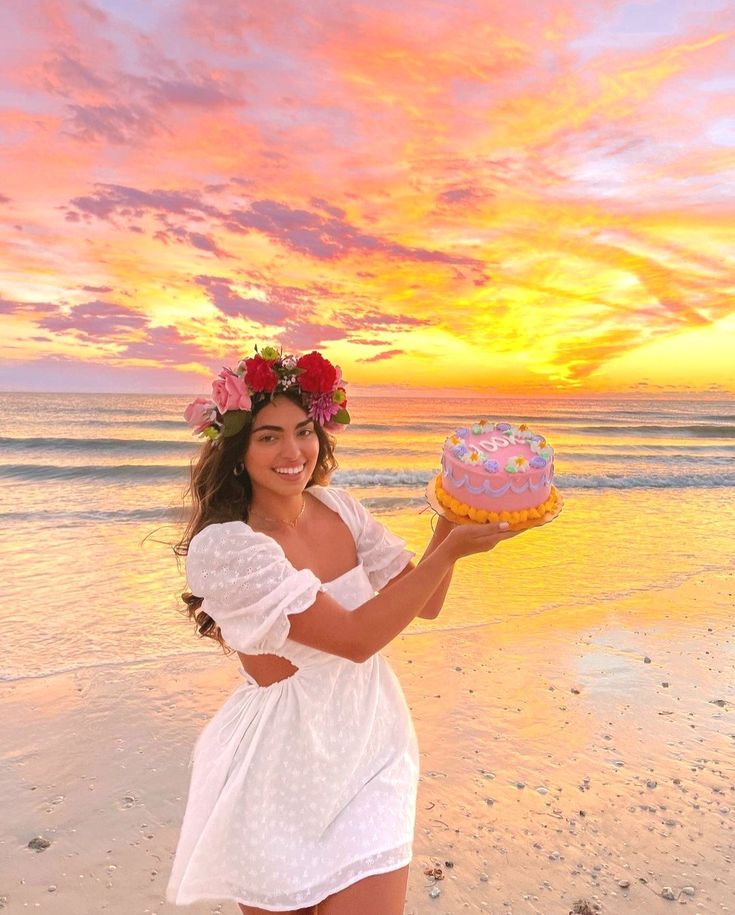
{"x": 497, "y": 471}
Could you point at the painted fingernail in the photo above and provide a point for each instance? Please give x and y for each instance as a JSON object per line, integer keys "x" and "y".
{"x": 503, "y": 526}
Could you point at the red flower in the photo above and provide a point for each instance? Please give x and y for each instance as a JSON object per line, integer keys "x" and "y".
{"x": 318, "y": 374}
{"x": 259, "y": 376}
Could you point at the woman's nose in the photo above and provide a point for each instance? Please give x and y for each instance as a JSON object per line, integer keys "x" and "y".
{"x": 291, "y": 447}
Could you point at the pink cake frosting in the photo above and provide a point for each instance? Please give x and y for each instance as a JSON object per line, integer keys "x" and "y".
{"x": 497, "y": 466}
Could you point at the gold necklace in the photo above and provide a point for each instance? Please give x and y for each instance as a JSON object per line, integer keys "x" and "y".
{"x": 282, "y": 520}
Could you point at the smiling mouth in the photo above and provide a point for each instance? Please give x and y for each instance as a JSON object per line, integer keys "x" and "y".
{"x": 288, "y": 471}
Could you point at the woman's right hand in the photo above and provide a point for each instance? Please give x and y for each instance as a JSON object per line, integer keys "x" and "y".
{"x": 467, "y": 539}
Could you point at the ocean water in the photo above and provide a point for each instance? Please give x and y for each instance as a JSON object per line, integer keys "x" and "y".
{"x": 91, "y": 491}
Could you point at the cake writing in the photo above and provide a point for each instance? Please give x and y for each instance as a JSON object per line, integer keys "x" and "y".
{"x": 498, "y": 441}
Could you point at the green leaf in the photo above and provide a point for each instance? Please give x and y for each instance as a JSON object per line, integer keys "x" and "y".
{"x": 234, "y": 421}
{"x": 342, "y": 417}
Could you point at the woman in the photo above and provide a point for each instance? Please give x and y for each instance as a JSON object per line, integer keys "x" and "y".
{"x": 303, "y": 786}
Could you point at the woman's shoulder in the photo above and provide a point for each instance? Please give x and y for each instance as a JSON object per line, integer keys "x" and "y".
{"x": 225, "y": 536}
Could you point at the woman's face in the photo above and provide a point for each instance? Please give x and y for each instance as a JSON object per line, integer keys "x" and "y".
{"x": 283, "y": 449}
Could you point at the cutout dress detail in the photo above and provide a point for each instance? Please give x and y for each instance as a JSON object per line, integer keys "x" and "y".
{"x": 302, "y": 787}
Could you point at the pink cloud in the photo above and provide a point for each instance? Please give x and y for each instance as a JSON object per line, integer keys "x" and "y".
{"x": 380, "y": 357}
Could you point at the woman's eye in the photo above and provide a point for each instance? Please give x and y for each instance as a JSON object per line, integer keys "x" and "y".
{"x": 266, "y": 438}
{"x": 307, "y": 432}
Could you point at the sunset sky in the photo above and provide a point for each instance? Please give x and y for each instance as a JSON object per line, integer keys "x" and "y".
{"x": 532, "y": 197}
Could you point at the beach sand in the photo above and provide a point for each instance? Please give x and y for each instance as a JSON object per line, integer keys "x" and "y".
{"x": 581, "y": 754}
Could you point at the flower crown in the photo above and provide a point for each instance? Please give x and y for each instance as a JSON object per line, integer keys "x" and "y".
{"x": 264, "y": 375}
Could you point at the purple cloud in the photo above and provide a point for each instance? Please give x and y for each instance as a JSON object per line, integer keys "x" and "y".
{"x": 321, "y": 204}
{"x": 206, "y": 93}
{"x": 222, "y": 296}
{"x": 196, "y": 239}
{"x": 302, "y": 336}
{"x": 118, "y": 124}
{"x": 309, "y": 233}
{"x": 165, "y": 345}
{"x": 205, "y": 243}
{"x": 125, "y": 107}
{"x": 94, "y": 12}
{"x": 463, "y": 194}
{"x": 112, "y": 199}
{"x": 63, "y": 73}
{"x": 96, "y": 320}
{"x": 316, "y": 236}
{"x": 10, "y": 306}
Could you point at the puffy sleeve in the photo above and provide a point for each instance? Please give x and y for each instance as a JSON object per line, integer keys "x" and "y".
{"x": 248, "y": 586}
{"x": 382, "y": 553}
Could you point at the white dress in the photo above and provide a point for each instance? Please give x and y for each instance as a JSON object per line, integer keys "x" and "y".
{"x": 300, "y": 788}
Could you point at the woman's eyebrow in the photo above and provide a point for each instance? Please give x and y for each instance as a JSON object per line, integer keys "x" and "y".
{"x": 280, "y": 428}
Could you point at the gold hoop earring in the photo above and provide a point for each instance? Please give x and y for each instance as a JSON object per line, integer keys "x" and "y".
{"x": 239, "y": 469}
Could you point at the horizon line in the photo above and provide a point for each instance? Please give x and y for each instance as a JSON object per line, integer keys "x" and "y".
{"x": 386, "y": 391}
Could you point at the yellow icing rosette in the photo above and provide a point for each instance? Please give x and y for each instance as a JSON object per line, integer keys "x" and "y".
{"x": 461, "y": 513}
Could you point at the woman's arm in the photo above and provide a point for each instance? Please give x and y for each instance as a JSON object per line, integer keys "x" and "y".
{"x": 358, "y": 634}
{"x": 433, "y": 606}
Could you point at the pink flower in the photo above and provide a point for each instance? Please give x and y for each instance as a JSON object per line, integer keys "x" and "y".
{"x": 323, "y": 408}
{"x": 200, "y": 413}
{"x": 229, "y": 392}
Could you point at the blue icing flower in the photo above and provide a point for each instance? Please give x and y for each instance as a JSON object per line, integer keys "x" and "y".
{"x": 502, "y": 427}
{"x": 463, "y": 433}
{"x": 537, "y": 462}
{"x": 460, "y": 451}
{"x": 491, "y": 466}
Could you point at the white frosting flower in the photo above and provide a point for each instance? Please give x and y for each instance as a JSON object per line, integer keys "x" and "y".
{"x": 517, "y": 465}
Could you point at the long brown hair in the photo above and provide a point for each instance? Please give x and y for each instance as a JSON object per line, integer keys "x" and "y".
{"x": 218, "y": 495}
